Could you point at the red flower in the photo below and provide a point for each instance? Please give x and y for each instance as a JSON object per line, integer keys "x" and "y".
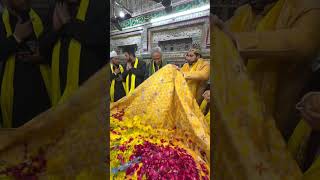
{"x": 163, "y": 162}
{"x": 119, "y": 115}
{"x": 121, "y": 158}
{"x": 28, "y": 170}
{"x": 122, "y": 148}
{"x": 204, "y": 169}
{"x": 205, "y": 177}
{"x": 129, "y": 171}
{"x": 203, "y": 154}
{"x": 115, "y": 132}
{"x": 130, "y": 140}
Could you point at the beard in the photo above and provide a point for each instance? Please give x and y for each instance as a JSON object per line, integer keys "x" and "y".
{"x": 157, "y": 61}
{"x": 115, "y": 62}
{"x": 190, "y": 62}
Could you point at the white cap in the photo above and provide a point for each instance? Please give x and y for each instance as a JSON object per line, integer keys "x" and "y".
{"x": 113, "y": 54}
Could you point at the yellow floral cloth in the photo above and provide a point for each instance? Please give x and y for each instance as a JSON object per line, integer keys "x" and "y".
{"x": 66, "y": 142}
{"x": 163, "y": 107}
{"x": 248, "y": 144}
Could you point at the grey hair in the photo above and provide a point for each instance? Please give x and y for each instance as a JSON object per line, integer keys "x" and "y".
{"x": 156, "y": 49}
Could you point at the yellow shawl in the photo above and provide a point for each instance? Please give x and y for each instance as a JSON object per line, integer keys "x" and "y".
{"x": 132, "y": 86}
{"x": 74, "y": 53}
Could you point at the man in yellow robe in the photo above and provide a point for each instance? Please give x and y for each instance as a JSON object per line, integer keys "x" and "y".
{"x": 196, "y": 71}
{"x": 278, "y": 40}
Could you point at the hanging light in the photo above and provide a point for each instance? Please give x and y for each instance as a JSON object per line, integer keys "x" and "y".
{"x": 121, "y": 14}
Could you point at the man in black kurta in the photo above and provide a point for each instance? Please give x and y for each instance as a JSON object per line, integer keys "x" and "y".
{"x": 30, "y": 95}
{"x": 139, "y": 71}
{"x": 91, "y": 33}
{"x": 116, "y": 76}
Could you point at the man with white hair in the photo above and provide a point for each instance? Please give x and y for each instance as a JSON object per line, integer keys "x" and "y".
{"x": 156, "y": 63}
{"x": 117, "y": 86}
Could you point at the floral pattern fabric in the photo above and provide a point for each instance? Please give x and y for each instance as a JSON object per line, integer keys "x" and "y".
{"x": 66, "y": 142}
{"x": 248, "y": 143}
{"x": 159, "y": 121}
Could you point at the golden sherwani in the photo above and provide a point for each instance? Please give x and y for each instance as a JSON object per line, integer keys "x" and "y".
{"x": 197, "y": 75}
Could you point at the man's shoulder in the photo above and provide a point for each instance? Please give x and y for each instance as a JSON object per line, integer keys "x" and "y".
{"x": 205, "y": 62}
{"x": 40, "y": 11}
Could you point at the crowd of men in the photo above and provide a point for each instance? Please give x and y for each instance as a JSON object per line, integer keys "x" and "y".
{"x": 125, "y": 78}
{"x": 46, "y": 57}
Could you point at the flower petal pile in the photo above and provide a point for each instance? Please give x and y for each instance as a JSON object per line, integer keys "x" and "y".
{"x": 139, "y": 151}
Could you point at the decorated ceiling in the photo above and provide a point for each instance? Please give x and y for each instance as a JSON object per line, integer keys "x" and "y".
{"x": 144, "y": 10}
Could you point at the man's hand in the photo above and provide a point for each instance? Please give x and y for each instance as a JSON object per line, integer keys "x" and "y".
{"x": 63, "y": 13}
{"x": 206, "y": 95}
{"x": 175, "y": 66}
{"x": 31, "y": 58}
{"x": 309, "y": 107}
{"x": 129, "y": 66}
{"x": 22, "y": 31}
{"x": 117, "y": 71}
